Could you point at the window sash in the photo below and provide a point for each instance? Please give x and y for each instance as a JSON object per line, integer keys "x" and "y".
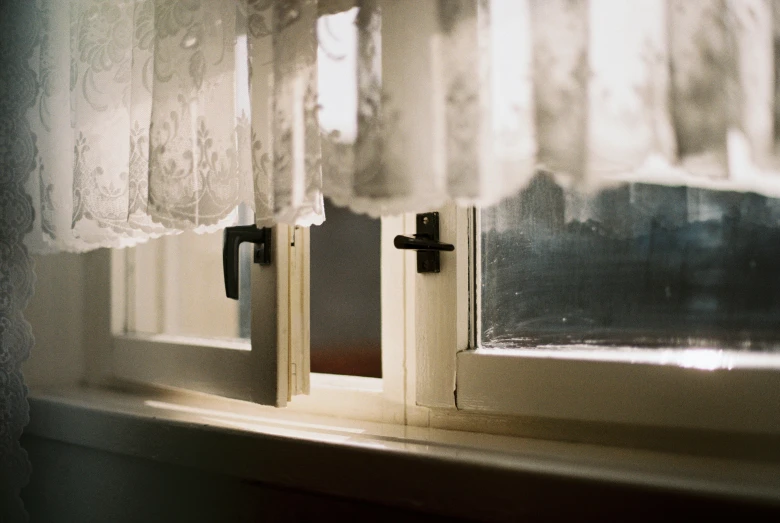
{"x": 269, "y": 369}
{"x": 453, "y": 373}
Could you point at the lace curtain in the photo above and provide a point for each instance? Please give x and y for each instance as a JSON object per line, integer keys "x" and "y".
{"x": 18, "y": 32}
{"x": 155, "y": 116}
{"x": 467, "y": 100}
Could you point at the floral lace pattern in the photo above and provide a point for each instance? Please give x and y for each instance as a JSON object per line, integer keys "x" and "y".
{"x": 142, "y": 119}
{"x": 467, "y": 100}
{"x": 155, "y": 116}
{"x": 20, "y": 31}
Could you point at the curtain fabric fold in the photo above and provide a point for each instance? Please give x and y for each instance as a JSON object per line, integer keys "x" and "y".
{"x": 156, "y": 116}
{"x": 19, "y": 30}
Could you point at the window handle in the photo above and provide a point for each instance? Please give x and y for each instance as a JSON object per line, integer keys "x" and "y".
{"x": 426, "y": 243}
{"x": 421, "y": 243}
{"x": 232, "y": 239}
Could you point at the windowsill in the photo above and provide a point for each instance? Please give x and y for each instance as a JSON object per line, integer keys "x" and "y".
{"x": 446, "y": 472}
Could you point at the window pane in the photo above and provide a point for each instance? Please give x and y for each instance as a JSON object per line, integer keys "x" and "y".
{"x": 639, "y": 265}
{"x": 176, "y": 286}
{"x": 346, "y": 331}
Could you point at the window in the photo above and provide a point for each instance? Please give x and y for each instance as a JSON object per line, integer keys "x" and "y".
{"x": 638, "y": 266}
{"x": 639, "y": 304}
{"x": 331, "y": 302}
{"x": 173, "y": 325}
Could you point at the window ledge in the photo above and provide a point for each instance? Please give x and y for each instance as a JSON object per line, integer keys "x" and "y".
{"x": 445, "y": 472}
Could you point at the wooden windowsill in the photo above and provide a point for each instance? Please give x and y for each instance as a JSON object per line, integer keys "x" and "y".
{"x": 453, "y": 473}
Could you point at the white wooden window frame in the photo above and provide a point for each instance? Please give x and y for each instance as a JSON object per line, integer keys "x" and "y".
{"x": 231, "y": 369}
{"x": 268, "y": 369}
{"x": 626, "y": 388}
{"x": 389, "y": 399}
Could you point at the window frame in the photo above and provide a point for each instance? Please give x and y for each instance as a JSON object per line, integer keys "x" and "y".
{"x": 261, "y": 370}
{"x": 545, "y": 387}
{"x": 116, "y": 358}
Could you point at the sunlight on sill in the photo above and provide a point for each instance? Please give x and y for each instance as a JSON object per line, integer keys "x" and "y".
{"x": 343, "y": 382}
{"x": 702, "y": 359}
{"x": 238, "y": 344}
{"x": 298, "y": 434}
{"x": 699, "y": 359}
{"x": 250, "y": 422}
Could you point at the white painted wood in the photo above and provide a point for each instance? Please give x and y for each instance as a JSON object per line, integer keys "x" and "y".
{"x": 547, "y": 384}
{"x": 167, "y": 288}
{"x": 277, "y": 299}
{"x": 261, "y": 373}
{"x": 210, "y": 366}
{"x": 394, "y": 322}
{"x": 145, "y": 266}
{"x": 305, "y": 357}
{"x": 387, "y": 399}
{"x": 469, "y": 473}
{"x": 442, "y": 313}
{"x": 390, "y": 398}
{"x": 299, "y": 312}
{"x": 121, "y": 265}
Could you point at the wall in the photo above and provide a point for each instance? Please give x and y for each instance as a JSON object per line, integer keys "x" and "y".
{"x": 80, "y": 485}
{"x": 55, "y": 312}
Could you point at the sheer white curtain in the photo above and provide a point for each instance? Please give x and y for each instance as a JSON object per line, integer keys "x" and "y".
{"x": 466, "y": 99}
{"x": 142, "y": 124}
{"x": 155, "y": 116}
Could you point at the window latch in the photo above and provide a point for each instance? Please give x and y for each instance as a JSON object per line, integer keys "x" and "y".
{"x": 425, "y": 242}
{"x": 232, "y": 239}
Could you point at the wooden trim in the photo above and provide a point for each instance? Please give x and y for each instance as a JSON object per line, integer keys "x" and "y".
{"x": 261, "y": 374}
{"x": 186, "y": 363}
{"x": 463, "y": 475}
{"x": 537, "y": 383}
{"x": 159, "y": 359}
{"x": 442, "y": 313}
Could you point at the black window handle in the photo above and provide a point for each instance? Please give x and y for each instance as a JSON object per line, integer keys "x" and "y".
{"x": 426, "y": 243}
{"x": 421, "y": 243}
{"x": 233, "y": 237}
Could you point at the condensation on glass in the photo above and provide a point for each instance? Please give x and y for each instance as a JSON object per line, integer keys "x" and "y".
{"x": 633, "y": 265}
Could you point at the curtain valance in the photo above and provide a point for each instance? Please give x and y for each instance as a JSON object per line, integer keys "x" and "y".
{"x": 155, "y": 116}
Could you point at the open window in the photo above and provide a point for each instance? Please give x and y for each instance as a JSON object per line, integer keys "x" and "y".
{"x": 325, "y": 318}
{"x": 332, "y": 299}
{"x": 174, "y": 325}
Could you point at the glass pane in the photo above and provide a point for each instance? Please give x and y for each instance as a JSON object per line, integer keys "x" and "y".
{"x": 346, "y": 331}
{"x": 637, "y": 265}
{"x": 176, "y": 286}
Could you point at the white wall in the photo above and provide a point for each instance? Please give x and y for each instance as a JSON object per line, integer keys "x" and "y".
{"x": 55, "y": 312}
